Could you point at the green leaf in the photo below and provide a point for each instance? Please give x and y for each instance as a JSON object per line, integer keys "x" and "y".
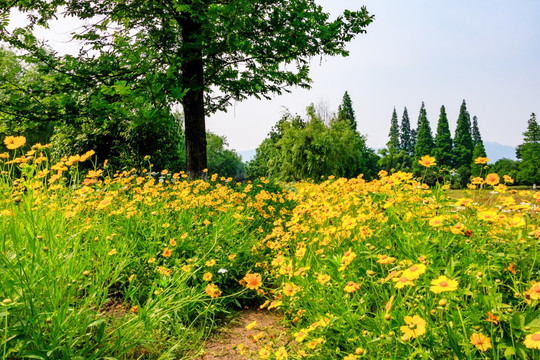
{"x": 454, "y": 343}
{"x": 509, "y": 352}
{"x": 33, "y": 356}
{"x": 517, "y": 322}
{"x": 534, "y": 324}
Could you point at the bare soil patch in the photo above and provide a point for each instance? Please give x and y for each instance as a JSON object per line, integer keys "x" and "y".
{"x": 235, "y": 342}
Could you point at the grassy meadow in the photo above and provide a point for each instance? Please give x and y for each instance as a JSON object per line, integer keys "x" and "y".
{"x": 144, "y": 265}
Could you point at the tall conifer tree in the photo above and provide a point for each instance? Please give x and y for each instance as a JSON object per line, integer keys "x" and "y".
{"x": 529, "y": 152}
{"x": 463, "y": 145}
{"x": 414, "y": 136}
{"x": 405, "y": 140}
{"x": 443, "y": 141}
{"x": 424, "y": 138}
{"x": 393, "y": 144}
{"x": 346, "y": 111}
{"x": 477, "y": 138}
{"x": 479, "y": 149}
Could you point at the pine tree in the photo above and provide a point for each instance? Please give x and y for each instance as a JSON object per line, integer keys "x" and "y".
{"x": 424, "y": 138}
{"x": 392, "y": 158}
{"x": 393, "y": 144}
{"x": 414, "y": 137}
{"x": 405, "y": 140}
{"x": 529, "y": 152}
{"x": 479, "y": 149}
{"x": 346, "y": 112}
{"x": 443, "y": 141}
{"x": 477, "y": 138}
{"x": 463, "y": 145}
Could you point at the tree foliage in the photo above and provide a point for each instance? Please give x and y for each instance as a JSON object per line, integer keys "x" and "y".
{"x": 201, "y": 54}
{"x": 479, "y": 149}
{"x": 296, "y": 149}
{"x": 506, "y": 167}
{"x": 393, "y": 144}
{"x": 424, "y": 139}
{"x": 443, "y": 141}
{"x": 120, "y": 119}
{"x": 391, "y": 157}
{"x": 529, "y": 152}
{"x": 463, "y": 145}
{"x": 29, "y": 99}
{"x": 221, "y": 160}
{"x": 346, "y": 112}
{"x": 406, "y": 137}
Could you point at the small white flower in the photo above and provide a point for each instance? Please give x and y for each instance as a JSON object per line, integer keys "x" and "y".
{"x": 222, "y": 271}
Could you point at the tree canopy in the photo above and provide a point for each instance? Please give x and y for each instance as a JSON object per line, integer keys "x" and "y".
{"x": 297, "y": 149}
{"x": 199, "y": 53}
{"x": 424, "y": 139}
{"x": 406, "y": 141}
{"x": 479, "y": 148}
{"x": 529, "y": 153}
{"x": 443, "y": 141}
{"x": 346, "y": 111}
{"x": 463, "y": 144}
{"x": 393, "y": 135}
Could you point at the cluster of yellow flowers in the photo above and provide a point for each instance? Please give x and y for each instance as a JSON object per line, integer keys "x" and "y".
{"x": 343, "y": 249}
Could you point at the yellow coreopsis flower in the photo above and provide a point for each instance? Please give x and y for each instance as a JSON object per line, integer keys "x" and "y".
{"x": 14, "y": 142}
{"x": 443, "y": 284}
{"x": 323, "y": 278}
{"x": 481, "y": 160}
{"x": 414, "y": 271}
{"x": 427, "y": 161}
{"x": 281, "y": 353}
{"x": 252, "y": 281}
{"x": 212, "y": 291}
{"x": 351, "y": 287}
{"x": 416, "y": 326}
{"x": 402, "y": 281}
{"x": 251, "y": 325}
{"x": 264, "y": 353}
{"x": 384, "y": 259}
{"x": 481, "y": 341}
{"x": 532, "y": 341}
{"x": 207, "y": 276}
{"x": 290, "y": 289}
{"x": 534, "y": 291}
{"x": 492, "y": 179}
{"x": 508, "y": 179}
{"x": 437, "y": 221}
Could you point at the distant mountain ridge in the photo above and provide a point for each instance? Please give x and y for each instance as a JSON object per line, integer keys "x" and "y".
{"x": 495, "y": 151}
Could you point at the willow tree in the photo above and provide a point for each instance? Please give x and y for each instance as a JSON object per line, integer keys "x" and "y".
{"x": 207, "y": 52}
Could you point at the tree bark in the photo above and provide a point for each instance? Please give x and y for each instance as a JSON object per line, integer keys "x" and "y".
{"x": 193, "y": 101}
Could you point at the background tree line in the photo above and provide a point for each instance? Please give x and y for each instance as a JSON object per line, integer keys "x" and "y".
{"x": 455, "y": 156}
{"x": 120, "y": 122}
{"x": 125, "y": 122}
{"x": 299, "y": 148}
{"x": 200, "y": 54}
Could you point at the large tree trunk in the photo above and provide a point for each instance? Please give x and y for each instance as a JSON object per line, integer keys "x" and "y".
{"x": 193, "y": 101}
{"x": 195, "y": 131}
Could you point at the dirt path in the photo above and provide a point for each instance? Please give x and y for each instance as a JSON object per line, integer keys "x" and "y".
{"x": 234, "y": 341}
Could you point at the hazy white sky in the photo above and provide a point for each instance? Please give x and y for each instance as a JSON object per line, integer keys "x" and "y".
{"x": 440, "y": 52}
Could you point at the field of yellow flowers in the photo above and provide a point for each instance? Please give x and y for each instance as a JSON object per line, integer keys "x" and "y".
{"x": 143, "y": 265}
